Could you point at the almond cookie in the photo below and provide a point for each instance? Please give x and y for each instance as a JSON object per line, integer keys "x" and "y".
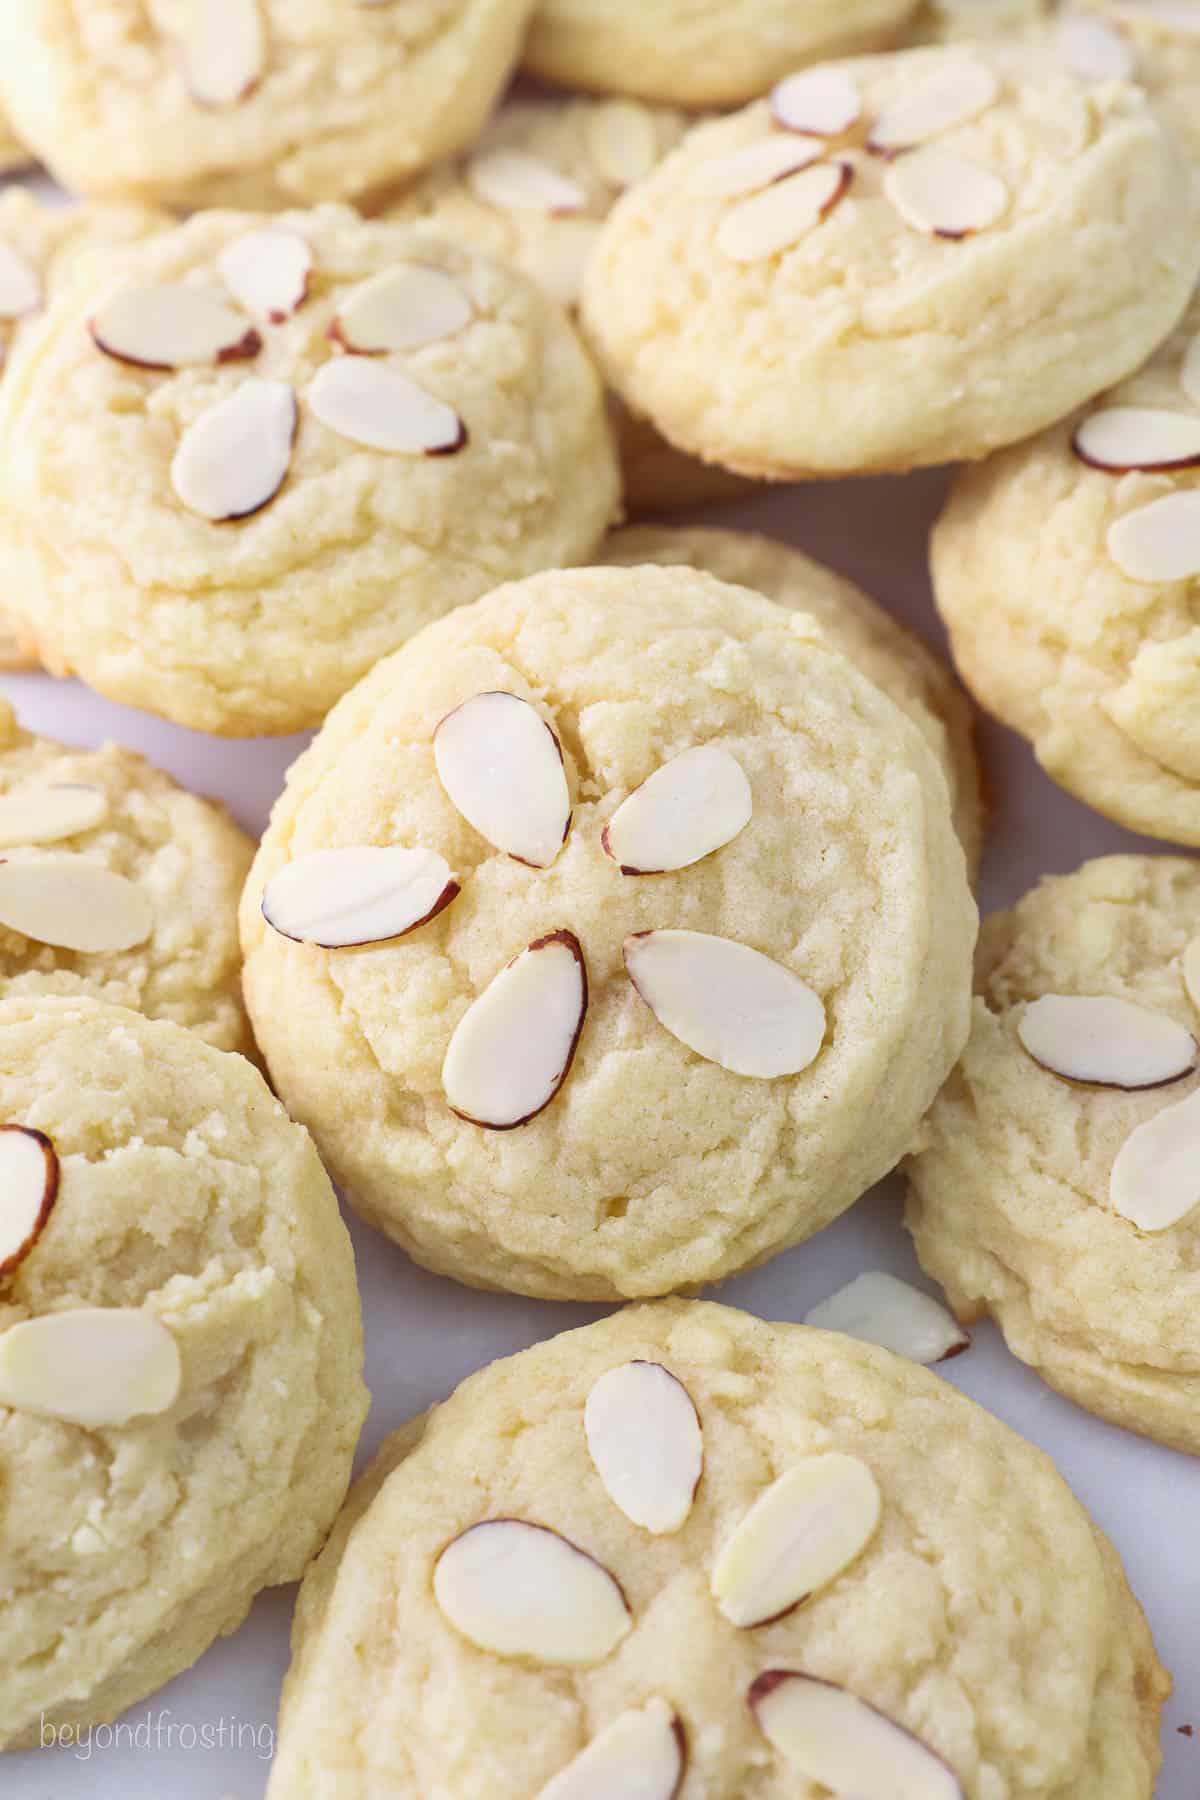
{"x": 632, "y": 920}
{"x": 180, "y": 1355}
{"x": 700, "y": 52}
{"x": 117, "y": 883}
{"x": 896, "y": 261}
{"x": 243, "y": 461}
{"x": 1059, "y": 1183}
{"x": 682, "y": 1552}
{"x": 896, "y": 661}
{"x": 257, "y": 103}
{"x": 1068, "y": 572}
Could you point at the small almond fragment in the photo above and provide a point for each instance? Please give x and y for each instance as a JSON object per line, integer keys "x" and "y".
{"x": 729, "y": 1003}
{"x": 376, "y": 405}
{"x": 1093, "y": 50}
{"x": 644, "y": 1438}
{"x": 778, "y": 218}
{"x": 1155, "y": 1179}
{"x": 516, "y": 181}
{"x": 73, "y": 905}
{"x": 822, "y": 101}
{"x": 1159, "y": 542}
{"x": 1138, "y": 437}
{"x": 521, "y": 1590}
{"x": 1191, "y": 972}
{"x": 363, "y": 894}
{"x": 878, "y": 1309}
{"x": 233, "y": 459}
{"x": 20, "y": 285}
{"x": 29, "y": 1176}
{"x": 799, "y": 1535}
{"x": 513, "y": 1047}
{"x": 833, "y": 1738}
{"x": 691, "y": 806}
{"x": 267, "y": 271}
{"x": 943, "y": 194}
{"x": 958, "y": 92}
{"x": 641, "y": 1756}
{"x": 224, "y": 49}
{"x": 172, "y": 327}
{"x": 1104, "y": 1042}
{"x": 622, "y": 141}
{"x": 755, "y": 166}
{"x": 45, "y": 815}
{"x": 91, "y": 1366}
{"x": 1189, "y": 373}
{"x": 403, "y": 308}
{"x": 502, "y": 767}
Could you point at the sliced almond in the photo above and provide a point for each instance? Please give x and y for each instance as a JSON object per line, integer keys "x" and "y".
{"x": 836, "y": 1740}
{"x": 513, "y": 1047}
{"x": 521, "y": 1590}
{"x": 640, "y": 1756}
{"x": 91, "y": 1366}
{"x": 1138, "y": 437}
{"x": 1191, "y": 972}
{"x": 1094, "y": 51}
{"x": 234, "y": 458}
{"x": 224, "y": 47}
{"x": 1159, "y": 542}
{"x": 1155, "y": 1179}
{"x": 267, "y": 271}
{"x": 960, "y": 91}
{"x": 502, "y": 767}
{"x": 691, "y": 806}
{"x": 644, "y": 1438}
{"x": 622, "y": 141}
{"x": 1189, "y": 373}
{"x": 727, "y": 1002}
{"x": 943, "y": 194}
{"x": 374, "y": 404}
{"x": 45, "y": 815}
{"x": 1104, "y": 1042}
{"x": 172, "y": 327}
{"x": 363, "y": 894}
{"x": 755, "y": 166}
{"x": 20, "y": 284}
{"x": 403, "y": 308}
{"x": 799, "y": 1535}
{"x": 822, "y": 101}
{"x": 73, "y": 905}
{"x": 516, "y": 181}
{"x": 775, "y": 220}
{"x": 29, "y": 1175}
{"x": 878, "y": 1309}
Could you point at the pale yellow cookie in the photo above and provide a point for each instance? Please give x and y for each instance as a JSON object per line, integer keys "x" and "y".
{"x": 13, "y": 155}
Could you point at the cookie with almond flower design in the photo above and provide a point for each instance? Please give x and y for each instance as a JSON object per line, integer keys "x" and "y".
{"x": 632, "y": 919}
{"x": 683, "y": 1552}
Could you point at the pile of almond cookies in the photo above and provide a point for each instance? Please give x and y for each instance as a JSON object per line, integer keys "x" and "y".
{"x": 616, "y": 930}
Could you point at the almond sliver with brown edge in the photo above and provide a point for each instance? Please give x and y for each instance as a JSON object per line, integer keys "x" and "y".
{"x": 799, "y": 1535}
{"x": 642, "y": 1755}
{"x": 646, "y": 1445}
{"x": 689, "y": 807}
{"x": 876, "y": 1308}
{"x": 380, "y": 407}
{"x": 1101, "y": 1041}
{"x": 783, "y": 213}
{"x": 233, "y": 459}
{"x": 521, "y": 1590}
{"x": 824, "y": 102}
{"x": 29, "y": 1180}
{"x": 946, "y": 195}
{"x": 172, "y": 327}
{"x": 74, "y": 905}
{"x": 361, "y": 894}
{"x": 830, "y": 1737}
{"x": 267, "y": 271}
{"x": 757, "y": 165}
{"x": 403, "y": 308}
{"x": 958, "y": 92}
{"x": 1138, "y": 437}
{"x": 501, "y": 766}
{"x": 224, "y": 49}
{"x": 513, "y": 1047}
{"x": 727, "y": 1002}
{"x": 91, "y": 1366}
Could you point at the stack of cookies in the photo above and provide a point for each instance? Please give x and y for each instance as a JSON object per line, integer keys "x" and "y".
{"x": 615, "y": 931}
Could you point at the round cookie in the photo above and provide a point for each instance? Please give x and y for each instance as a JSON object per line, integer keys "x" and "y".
{"x": 180, "y": 1356}
{"x": 1068, "y": 576}
{"x": 699, "y": 52}
{"x": 232, "y": 539}
{"x": 910, "y": 1676}
{"x": 790, "y": 304}
{"x": 252, "y": 103}
{"x": 1048, "y": 1199}
{"x": 896, "y": 661}
{"x": 133, "y": 880}
{"x": 555, "y": 1129}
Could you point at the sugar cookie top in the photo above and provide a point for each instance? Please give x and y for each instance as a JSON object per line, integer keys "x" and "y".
{"x": 1068, "y": 1124}
{"x": 260, "y": 103}
{"x": 601, "y": 1151}
{"x": 269, "y": 453}
{"x": 764, "y": 295}
{"x": 902, "y": 1664}
{"x": 39, "y": 244}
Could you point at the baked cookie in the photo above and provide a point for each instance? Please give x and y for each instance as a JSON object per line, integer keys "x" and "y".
{"x": 1057, "y": 1187}
{"x": 688, "y": 936}
{"x": 180, "y": 1355}
{"x": 117, "y": 883}
{"x": 256, "y": 103}
{"x": 251, "y": 460}
{"x": 896, "y": 261}
{"x": 700, "y": 52}
{"x": 1068, "y": 572}
{"x": 896, "y": 661}
{"x": 13, "y": 155}
{"x": 684, "y": 1552}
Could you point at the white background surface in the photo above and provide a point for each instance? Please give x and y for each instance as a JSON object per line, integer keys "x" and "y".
{"x": 425, "y": 1334}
